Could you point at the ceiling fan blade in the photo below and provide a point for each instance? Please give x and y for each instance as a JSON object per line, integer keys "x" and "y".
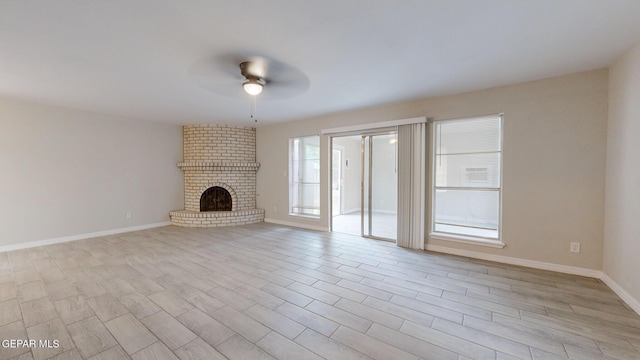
{"x": 223, "y": 76}
{"x": 278, "y": 90}
{"x": 219, "y": 77}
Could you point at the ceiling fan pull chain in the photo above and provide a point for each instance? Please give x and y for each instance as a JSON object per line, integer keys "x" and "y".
{"x": 254, "y": 116}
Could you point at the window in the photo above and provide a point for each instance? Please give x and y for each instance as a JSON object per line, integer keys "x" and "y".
{"x": 304, "y": 176}
{"x": 467, "y": 166}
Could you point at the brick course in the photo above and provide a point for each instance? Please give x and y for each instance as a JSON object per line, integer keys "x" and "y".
{"x": 216, "y": 218}
{"x": 219, "y": 143}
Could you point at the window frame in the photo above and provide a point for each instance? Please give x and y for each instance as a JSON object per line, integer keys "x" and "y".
{"x": 294, "y": 182}
{"x": 458, "y": 237}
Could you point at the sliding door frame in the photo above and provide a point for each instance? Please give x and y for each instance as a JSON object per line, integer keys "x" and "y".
{"x": 363, "y": 134}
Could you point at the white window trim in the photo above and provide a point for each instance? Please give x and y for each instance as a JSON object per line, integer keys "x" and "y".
{"x": 465, "y": 239}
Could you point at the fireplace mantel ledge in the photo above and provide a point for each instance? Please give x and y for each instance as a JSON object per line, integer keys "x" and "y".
{"x": 218, "y": 166}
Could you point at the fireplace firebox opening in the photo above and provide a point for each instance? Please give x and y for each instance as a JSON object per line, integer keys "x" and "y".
{"x": 216, "y": 199}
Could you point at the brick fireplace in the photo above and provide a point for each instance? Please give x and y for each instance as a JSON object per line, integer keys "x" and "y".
{"x": 219, "y": 177}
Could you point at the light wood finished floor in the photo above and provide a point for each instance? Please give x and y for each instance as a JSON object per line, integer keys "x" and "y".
{"x": 265, "y": 292}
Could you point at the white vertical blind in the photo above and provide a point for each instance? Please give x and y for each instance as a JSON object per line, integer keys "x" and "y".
{"x": 411, "y": 185}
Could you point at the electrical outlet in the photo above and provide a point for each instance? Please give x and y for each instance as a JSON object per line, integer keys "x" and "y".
{"x": 574, "y": 247}
{"x": 129, "y": 216}
{"x": 275, "y": 208}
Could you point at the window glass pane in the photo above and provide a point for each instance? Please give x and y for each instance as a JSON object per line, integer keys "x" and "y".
{"x": 468, "y": 170}
{"x": 472, "y": 208}
{"x": 467, "y": 167}
{"x": 304, "y": 177}
{"x": 468, "y": 136}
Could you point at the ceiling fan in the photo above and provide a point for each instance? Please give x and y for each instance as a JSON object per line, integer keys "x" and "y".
{"x": 253, "y": 71}
{"x": 271, "y": 78}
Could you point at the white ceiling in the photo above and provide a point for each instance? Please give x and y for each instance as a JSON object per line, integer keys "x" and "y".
{"x": 135, "y": 59}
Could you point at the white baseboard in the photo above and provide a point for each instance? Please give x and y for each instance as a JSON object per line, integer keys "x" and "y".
{"x": 64, "y": 239}
{"x": 624, "y": 295}
{"x": 573, "y": 270}
{"x": 295, "y": 224}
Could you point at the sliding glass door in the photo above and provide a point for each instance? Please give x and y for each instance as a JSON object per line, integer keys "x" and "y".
{"x": 364, "y": 185}
{"x": 379, "y": 186}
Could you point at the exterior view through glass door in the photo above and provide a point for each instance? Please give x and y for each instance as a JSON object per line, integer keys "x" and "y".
{"x": 367, "y": 181}
{"x": 380, "y": 186}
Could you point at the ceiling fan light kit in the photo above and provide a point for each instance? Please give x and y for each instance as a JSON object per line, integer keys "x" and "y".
{"x": 253, "y": 86}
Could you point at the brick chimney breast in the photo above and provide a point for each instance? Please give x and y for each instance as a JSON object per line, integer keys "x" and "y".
{"x": 219, "y": 156}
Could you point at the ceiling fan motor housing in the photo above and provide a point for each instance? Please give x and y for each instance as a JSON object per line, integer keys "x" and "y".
{"x": 248, "y": 70}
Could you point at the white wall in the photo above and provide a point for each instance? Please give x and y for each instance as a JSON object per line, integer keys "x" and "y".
{"x": 622, "y": 206}
{"x": 65, "y": 172}
{"x": 554, "y": 162}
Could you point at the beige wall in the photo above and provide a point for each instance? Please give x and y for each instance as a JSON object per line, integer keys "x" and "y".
{"x": 554, "y": 162}
{"x": 622, "y": 205}
{"x": 65, "y": 172}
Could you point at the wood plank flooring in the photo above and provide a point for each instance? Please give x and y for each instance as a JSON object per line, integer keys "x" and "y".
{"x": 270, "y": 292}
